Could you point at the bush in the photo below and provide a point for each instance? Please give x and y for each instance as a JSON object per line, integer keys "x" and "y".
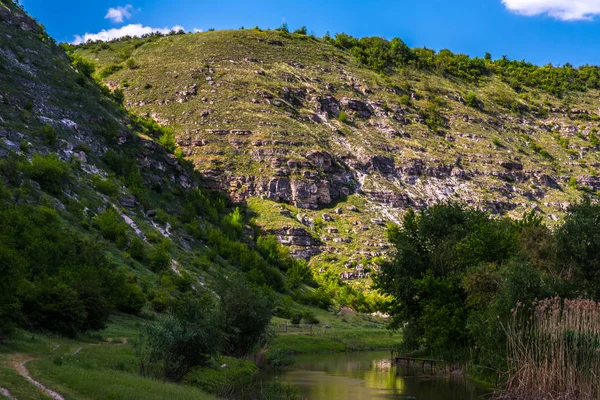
{"x": 112, "y": 226}
{"x": 82, "y": 65}
{"x": 118, "y": 96}
{"x": 573, "y": 182}
{"x": 50, "y": 172}
{"x": 471, "y": 100}
{"x": 298, "y": 273}
{"x": 279, "y": 358}
{"x": 159, "y": 258}
{"x": 108, "y": 71}
{"x": 52, "y": 305}
{"x": 343, "y": 117}
{"x": 131, "y": 298}
{"x": 49, "y": 134}
{"x": 177, "y": 343}
{"x": 247, "y": 312}
{"x": 283, "y": 28}
{"x": 309, "y": 318}
{"x": 138, "y": 249}
{"x": 301, "y": 31}
{"x": 131, "y": 64}
{"x": 107, "y": 186}
{"x": 296, "y": 318}
{"x": 167, "y": 140}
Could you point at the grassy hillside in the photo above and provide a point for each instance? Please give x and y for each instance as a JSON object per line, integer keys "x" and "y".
{"x": 322, "y": 124}
{"x": 100, "y": 214}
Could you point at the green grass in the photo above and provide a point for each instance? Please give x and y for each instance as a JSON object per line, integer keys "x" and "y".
{"x": 349, "y": 332}
{"x": 104, "y": 368}
{"x": 19, "y": 387}
{"x": 336, "y": 340}
{"x": 80, "y": 381}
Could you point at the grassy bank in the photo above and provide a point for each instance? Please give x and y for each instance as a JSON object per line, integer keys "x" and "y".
{"x": 104, "y": 366}
{"x": 348, "y": 331}
{"x": 89, "y": 367}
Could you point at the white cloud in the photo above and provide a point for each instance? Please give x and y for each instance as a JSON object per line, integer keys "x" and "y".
{"x": 119, "y": 14}
{"x": 196, "y": 30}
{"x": 127, "y": 30}
{"x": 566, "y": 10}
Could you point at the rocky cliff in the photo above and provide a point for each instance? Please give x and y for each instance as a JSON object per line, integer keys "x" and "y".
{"x": 304, "y": 133}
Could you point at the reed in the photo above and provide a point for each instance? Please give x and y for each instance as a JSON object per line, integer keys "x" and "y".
{"x": 553, "y": 351}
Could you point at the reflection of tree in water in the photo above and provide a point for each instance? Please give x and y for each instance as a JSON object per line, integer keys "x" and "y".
{"x": 369, "y": 375}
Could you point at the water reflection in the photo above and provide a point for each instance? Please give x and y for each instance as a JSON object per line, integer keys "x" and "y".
{"x": 368, "y": 375}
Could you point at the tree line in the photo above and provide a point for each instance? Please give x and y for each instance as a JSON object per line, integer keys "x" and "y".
{"x": 457, "y": 275}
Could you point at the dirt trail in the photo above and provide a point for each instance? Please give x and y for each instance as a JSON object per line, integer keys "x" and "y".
{"x": 7, "y": 394}
{"x": 18, "y": 362}
{"x": 118, "y": 341}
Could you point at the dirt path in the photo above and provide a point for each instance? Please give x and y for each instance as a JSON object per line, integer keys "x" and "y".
{"x": 7, "y": 394}
{"x": 18, "y": 362}
{"x": 118, "y": 341}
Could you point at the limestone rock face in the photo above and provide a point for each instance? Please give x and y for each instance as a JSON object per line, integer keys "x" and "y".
{"x": 259, "y": 118}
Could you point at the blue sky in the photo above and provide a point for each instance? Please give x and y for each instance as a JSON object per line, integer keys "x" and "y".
{"x": 540, "y": 31}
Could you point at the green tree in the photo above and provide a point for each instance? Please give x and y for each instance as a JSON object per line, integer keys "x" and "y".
{"x": 578, "y": 243}
{"x": 185, "y": 339}
{"x": 50, "y": 172}
{"x": 247, "y": 311}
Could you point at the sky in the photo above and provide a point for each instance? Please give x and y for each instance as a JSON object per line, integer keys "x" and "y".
{"x": 539, "y": 31}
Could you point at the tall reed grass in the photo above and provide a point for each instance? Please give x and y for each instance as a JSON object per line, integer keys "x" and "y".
{"x": 553, "y": 351}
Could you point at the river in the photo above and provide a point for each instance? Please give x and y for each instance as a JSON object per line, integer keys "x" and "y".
{"x": 368, "y": 375}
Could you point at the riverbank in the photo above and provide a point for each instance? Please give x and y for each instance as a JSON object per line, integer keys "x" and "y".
{"x": 346, "y": 331}
{"x": 104, "y": 366}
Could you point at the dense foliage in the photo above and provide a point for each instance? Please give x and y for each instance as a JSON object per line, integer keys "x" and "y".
{"x": 384, "y": 56}
{"x": 55, "y": 278}
{"x": 458, "y": 272}
{"x": 199, "y": 326}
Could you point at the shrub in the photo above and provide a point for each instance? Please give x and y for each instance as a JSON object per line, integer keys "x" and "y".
{"x": 471, "y": 100}
{"x": 49, "y": 171}
{"x": 296, "y": 318}
{"x": 131, "y": 298}
{"x": 309, "y": 318}
{"x": 107, "y": 186}
{"x": 247, "y": 312}
{"x": 118, "y": 96}
{"x": 112, "y": 226}
{"x": 137, "y": 249}
{"x": 279, "y": 358}
{"x": 283, "y": 28}
{"x": 159, "y": 258}
{"x": 301, "y": 31}
{"x": 573, "y": 182}
{"x": 131, "y": 64}
{"x": 167, "y": 140}
{"x": 177, "y": 343}
{"x": 110, "y": 70}
{"x": 298, "y": 273}
{"x": 343, "y": 117}
{"x": 82, "y": 65}
{"x": 49, "y": 134}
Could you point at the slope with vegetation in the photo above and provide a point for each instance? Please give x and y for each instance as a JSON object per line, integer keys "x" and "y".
{"x": 310, "y": 128}
{"x": 102, "y": 225}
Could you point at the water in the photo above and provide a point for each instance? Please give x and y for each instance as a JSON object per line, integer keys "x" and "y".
{"x": 368, "y": 375}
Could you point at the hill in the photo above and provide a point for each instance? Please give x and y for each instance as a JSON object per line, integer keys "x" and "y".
{"x": 328, "y": 139}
